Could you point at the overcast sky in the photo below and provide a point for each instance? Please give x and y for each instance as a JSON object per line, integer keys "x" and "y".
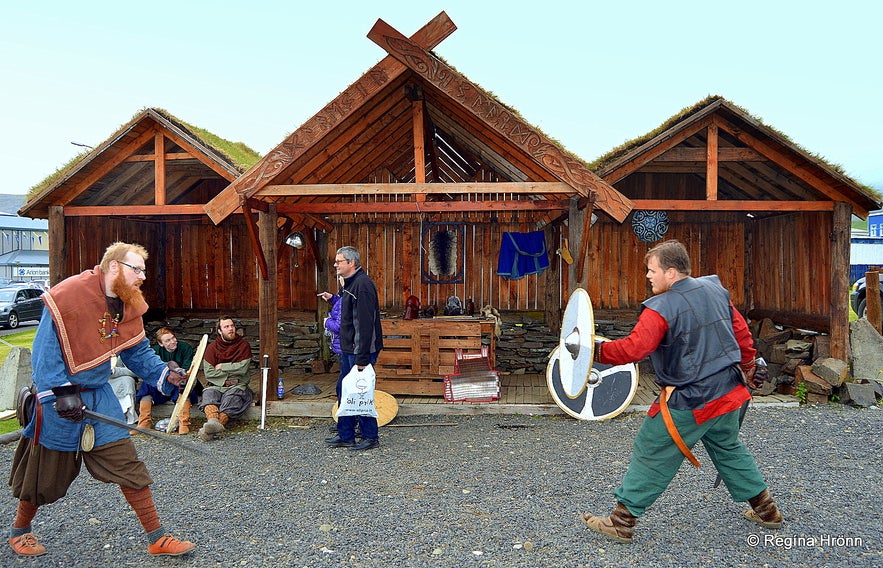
{"x": 590, "y": 74}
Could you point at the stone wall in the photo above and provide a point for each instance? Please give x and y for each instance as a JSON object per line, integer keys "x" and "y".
{"x": 523, "y": 347}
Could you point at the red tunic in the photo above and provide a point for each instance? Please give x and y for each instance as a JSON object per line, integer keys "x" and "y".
{"x": 645, "y": 338}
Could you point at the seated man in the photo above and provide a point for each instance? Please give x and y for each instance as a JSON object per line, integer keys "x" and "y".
{"x": 226, "y": 365}
{"x": 169, "y": 349}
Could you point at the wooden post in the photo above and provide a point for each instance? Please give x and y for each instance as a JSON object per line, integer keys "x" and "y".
{"x": 268, "y": 313}
{"x": 872, "y": 298}
{"x": 839, "y": 308}
{"x": 57, "y": 245}
{"x": 575, "y": 218}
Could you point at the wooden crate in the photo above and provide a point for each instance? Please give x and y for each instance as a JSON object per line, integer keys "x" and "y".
{"x": 417, "y": 354}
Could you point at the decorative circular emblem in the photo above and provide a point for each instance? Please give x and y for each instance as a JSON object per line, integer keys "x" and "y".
{"x": 650, "y": 226}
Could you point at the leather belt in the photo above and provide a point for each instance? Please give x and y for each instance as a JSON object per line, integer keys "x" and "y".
{"x": 670, "y": 425}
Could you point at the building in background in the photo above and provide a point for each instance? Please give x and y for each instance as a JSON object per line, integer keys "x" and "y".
{"x": 24, "y": 250}
{"x": 866, "y": 248}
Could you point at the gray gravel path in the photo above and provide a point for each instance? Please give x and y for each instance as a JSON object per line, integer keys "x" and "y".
{"x": 489, "y": 491}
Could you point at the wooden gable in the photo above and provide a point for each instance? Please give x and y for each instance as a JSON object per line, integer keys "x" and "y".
{"x": 716, "y": 156}
{"x": 413, "y": 136}
{"x": 153, "y": 165}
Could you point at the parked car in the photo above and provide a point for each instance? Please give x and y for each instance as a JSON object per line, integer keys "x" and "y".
{"x": 20, "y": 304}
{"x": 857, "y": 296}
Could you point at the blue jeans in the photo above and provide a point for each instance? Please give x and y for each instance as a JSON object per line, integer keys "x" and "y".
{"x": 346, "y": 425}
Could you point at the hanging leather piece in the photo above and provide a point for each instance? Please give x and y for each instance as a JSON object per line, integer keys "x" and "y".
{"x": 670, "y": 425}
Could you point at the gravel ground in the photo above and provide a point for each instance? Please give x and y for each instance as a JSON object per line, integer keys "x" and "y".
{"x": 487, "y": 490}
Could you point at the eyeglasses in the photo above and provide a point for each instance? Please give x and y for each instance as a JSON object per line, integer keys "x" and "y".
{"x": 135, "y": 269}
{"x": 342, "y": 260}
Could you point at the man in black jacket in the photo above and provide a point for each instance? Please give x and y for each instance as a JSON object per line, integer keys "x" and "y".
{"x": 361, "y": 339}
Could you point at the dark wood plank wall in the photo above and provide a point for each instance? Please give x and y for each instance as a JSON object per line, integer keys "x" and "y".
{"x": 615, "y": 261}
{"x": 779, "y": 263}
{"x": 791, "y": 263}
{"x": 391, "y": 256}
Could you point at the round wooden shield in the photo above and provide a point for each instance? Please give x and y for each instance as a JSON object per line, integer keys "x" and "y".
{"x": 386, "y": 405}
{"x": 608, "y": 389}
{"x": 576, "y": 344}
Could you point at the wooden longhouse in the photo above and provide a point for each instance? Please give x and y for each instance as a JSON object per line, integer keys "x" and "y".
{"x": 412, "y": 147}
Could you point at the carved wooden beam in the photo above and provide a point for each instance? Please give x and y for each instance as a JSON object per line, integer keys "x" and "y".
{"x": 486, "y": 109}
{"x": 425, "y": 206}
{"x": 332, "y": 115}
{"x": 304, "y": 190}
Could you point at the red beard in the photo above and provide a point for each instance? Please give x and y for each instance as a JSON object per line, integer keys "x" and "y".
{"x": 130, "y": 294}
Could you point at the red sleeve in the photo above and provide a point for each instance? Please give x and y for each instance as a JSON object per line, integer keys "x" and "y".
{"x": 743, "y": 337}
{"x": 641, "y": 342}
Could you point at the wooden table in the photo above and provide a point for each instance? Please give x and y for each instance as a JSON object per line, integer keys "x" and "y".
{"x": 417, "y": 354}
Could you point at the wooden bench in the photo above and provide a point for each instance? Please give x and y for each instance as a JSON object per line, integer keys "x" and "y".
{"x": 417, "y": 354}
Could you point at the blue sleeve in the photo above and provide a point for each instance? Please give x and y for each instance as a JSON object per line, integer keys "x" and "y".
{"x": 145, "y": 363}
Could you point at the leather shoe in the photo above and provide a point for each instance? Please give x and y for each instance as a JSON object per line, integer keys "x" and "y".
{"x": 365, "y": 444}
{"x": 338, "y": 442}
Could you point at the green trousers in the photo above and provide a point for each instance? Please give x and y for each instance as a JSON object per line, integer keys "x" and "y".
{"x": 656, "y": 458}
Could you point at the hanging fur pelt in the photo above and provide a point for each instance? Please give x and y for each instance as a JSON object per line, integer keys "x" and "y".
{"x": 443, "y": 253}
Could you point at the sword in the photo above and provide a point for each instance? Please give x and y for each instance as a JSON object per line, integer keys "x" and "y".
{"x": 157, "y": 435}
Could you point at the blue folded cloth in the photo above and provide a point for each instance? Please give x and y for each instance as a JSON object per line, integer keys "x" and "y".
{"x": 522, "y": 254}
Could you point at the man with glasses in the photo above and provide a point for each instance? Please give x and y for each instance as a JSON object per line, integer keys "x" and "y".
{"x": 361, "y": 339}
{"x": 89, "y": 318}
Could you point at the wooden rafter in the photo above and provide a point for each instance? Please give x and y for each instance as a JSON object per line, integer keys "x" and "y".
{"x": 493, "y": 115}
{"x": 342, "y": 107}
{"x": 529, "y": 187}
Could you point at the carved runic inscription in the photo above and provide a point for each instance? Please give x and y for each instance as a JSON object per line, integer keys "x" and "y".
{"x": 567, "y": 167}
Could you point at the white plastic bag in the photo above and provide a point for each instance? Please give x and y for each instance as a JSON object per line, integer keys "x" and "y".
{"x": 357, "y": 393}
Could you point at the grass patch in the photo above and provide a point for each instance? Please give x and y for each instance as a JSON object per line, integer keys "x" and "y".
{"x": 21, "y": 339}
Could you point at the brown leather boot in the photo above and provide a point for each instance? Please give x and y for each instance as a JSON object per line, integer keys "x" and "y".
{"x": 212, "y": 425}
{"x": 620, "y": 525}
{"x": 184, "y": 418}
{"x": 763, "y": 511}
{"x": 145, "y": 407}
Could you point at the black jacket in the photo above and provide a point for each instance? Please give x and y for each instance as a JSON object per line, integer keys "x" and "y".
{"x": 360, "y": 330}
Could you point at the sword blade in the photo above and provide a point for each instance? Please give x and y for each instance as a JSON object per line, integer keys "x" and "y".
{"x": 164, "y": 437}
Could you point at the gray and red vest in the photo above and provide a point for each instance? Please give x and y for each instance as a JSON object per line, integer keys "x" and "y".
{"x": 699, "y": 353}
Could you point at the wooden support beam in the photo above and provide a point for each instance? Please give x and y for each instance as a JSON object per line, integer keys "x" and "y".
{"x": 584, "y": 242}
{"x": 731, "y": 205}
{"x": 133, "y": 210}
{"x": 268, "y": 315}
{"x": 726, "y": 154}
{"x": 159, "y": 169}
{"x": 425, "y": 206}
{"x": 417, "y": 119}
{"x": 839, "y": 308}
{"x": 338, "y": 189}
{"x": 57, "y": 245}
{"x": 711, "y": 164}
{"x": 252, "y": 230}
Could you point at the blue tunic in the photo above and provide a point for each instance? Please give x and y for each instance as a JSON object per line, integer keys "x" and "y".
{"x": 50, "y": 371}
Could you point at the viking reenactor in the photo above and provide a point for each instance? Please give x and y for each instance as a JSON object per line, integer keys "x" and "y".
{"x": 226, "y": 364}
{"x": 703, "y": 355}
{"x": 181, "y": 354}
{"x": 88, "y": 318}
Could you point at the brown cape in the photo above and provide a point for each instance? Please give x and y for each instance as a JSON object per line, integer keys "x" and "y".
{"x": 77, "y": 305}
{"x": 221, "y": 351}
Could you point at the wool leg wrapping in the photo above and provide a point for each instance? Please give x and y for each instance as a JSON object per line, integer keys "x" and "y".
{"x": 141, "y": 501}
{"x": 24, "y": 515}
